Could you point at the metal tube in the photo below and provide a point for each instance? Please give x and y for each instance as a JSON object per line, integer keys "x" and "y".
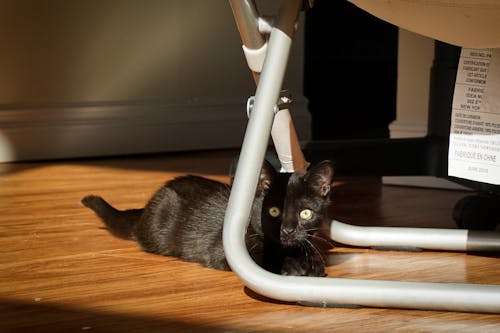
{"x": 283, "y": 132}
{"x": 483, "y": 240}
{"x": 247, "y": 21}
{"x": 258, "y": 129}
{"x": 392, "y": 237}
{"x": 421, "y": 238}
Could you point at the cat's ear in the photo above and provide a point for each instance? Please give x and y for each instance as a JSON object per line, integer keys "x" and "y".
{"x": 320, "y": 177}
{"x": 266, "y": 177}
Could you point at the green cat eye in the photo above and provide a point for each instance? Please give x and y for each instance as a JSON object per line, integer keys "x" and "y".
{"x": 306, "y": 214}
{"x": 274, "y": 211}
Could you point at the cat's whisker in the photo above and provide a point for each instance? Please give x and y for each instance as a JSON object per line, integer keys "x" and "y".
{"x": 315, "y": 250}
{"x": 250, "y": 236}
{"x": 326, "y": 241}
{"x": 306, "y": 249}
{"x": 254, "y": 246}
{"x": 309, "y": 249}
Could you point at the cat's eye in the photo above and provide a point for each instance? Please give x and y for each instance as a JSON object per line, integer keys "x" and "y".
{"x": 306, "y": 214}
{"x": 274, "y": 211}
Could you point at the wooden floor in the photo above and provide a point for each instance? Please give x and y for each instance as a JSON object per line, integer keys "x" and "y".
{"x": 60, "y": 271}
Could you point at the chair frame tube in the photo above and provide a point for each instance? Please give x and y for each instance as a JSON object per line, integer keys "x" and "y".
{"x": 312, "y": 290}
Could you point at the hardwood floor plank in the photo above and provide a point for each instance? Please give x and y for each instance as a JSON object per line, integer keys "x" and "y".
{"x": 61, "y": 271}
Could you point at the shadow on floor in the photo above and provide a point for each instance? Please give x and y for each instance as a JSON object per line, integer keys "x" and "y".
{"x": 23, "y": 317}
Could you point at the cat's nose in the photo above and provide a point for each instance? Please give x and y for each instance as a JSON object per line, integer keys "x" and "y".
{"x": 288, "y": 230}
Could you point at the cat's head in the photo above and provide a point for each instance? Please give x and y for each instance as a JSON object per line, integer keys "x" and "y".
{"x": 294, "y": 205}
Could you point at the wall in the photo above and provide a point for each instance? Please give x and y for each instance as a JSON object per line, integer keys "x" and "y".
{"x": 92, "y": 78}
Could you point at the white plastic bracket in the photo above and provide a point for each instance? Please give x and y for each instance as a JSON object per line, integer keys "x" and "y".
{"x": 255, "y": 57}
{"x": 265, "y": 25}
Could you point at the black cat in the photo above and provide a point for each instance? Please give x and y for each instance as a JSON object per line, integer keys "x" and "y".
{"x": 184, "y": 218}
{"x": 296, "y": 225}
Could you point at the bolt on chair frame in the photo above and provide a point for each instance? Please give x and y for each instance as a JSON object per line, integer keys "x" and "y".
{"x": 267, "y": 58}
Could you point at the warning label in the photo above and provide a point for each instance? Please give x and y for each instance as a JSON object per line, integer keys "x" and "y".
{"x": 475, "y": 124}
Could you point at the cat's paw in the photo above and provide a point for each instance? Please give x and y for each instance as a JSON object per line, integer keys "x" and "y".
{"x": 317, "y": 269}
{"x": 302, "y": 267}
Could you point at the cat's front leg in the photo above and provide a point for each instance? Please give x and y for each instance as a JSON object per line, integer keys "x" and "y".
{"x": 303, "y": 266}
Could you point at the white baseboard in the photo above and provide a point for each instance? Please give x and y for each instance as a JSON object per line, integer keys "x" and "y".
{"x": 106, "y": 129}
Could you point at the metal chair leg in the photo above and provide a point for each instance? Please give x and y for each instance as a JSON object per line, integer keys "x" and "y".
{"x": 309, "y": 290}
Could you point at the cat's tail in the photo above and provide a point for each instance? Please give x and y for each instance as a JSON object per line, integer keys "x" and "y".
{"x": 119, "y": 222}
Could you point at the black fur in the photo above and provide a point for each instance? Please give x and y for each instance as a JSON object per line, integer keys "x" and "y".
{"x": 184, "y": 218}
